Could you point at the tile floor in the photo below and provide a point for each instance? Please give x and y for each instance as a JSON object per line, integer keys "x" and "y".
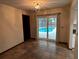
{"x": 38, "y": 49}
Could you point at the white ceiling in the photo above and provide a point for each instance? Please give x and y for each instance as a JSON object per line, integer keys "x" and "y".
{"x": 29, "y": 4}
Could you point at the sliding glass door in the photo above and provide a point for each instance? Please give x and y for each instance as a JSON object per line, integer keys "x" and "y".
{"x": 47, "y": 27}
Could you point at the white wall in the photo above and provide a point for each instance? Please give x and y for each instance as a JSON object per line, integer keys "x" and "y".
{"x": 25, "y": 12}
{"x": 11, "y": 30}
{"x": 73, "y": 13}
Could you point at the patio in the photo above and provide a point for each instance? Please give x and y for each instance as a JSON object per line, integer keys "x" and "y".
{"x": 51, "y": 35}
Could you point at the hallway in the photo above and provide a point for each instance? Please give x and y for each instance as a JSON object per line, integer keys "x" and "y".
{"x": 38, "y": 50}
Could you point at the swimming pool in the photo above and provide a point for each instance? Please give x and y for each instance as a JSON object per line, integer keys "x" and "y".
{"x": 42, "y": 29}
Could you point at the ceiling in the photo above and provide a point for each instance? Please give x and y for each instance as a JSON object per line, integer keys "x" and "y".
{"x": 30, "y": 4}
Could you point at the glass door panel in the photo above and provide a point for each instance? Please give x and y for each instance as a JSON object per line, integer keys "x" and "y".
{"x": 42, "y": 27}
{"x": 52, "y": 28}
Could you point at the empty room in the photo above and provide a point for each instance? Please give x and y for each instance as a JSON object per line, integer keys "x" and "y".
{"x": 38, "y": 29}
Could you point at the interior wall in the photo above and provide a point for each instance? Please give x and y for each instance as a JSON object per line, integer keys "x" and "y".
{"x": 73, "y": 13}
{"x": 33, "y": 25}
{"x": 75, "y": 20}
{"x": 63, "y": 20}
{"x": 64, "y": 24}
{"x": 25, "y": 12}
{"x": 11, "y": 28}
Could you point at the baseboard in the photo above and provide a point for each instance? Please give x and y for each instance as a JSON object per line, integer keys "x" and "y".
{"x": 63, "y": 42}
{"x": 33, "y": 38}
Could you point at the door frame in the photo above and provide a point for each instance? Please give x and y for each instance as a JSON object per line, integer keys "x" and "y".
{"x": 57, "y": 24}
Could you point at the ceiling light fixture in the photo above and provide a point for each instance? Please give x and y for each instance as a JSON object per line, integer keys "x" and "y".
{"x": 37, "y": 6}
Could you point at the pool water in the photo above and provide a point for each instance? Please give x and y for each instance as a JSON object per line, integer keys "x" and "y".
{"x": 50, "y": 29}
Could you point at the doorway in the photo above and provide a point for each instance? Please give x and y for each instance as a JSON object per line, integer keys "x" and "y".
{"x": 47, "y": 27}
{"x": 26, "y": 27}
